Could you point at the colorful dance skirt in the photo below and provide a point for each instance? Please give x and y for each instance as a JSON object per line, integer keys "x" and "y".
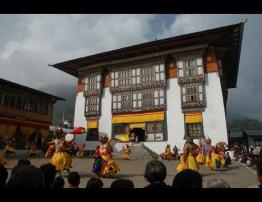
{"x": 126, "y": 155}
{"x": 189, "y": 163}
{"x": 59, "y": 160}
{"x": 200, "y": 159}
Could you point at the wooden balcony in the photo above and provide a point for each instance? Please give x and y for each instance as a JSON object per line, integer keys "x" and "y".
{"x": 21, "y": 114}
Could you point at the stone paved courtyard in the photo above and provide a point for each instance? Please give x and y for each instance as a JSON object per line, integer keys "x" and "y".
{"x": 238, "y": 176}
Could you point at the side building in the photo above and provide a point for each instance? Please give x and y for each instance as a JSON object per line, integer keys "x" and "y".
{"x": 165, "y": 89}
{"x": 25, "y": 113}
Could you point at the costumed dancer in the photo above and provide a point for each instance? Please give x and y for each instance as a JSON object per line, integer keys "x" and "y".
{"x": 167, "y": 155}
{"x": 81, "y": 151}
{"x": 175, "y": 151}
{"x": 188, "y": 157}
{"x": 103, "y": 164}
{"x": 200, "y": 156}
{"x": 126, "y": 152}
{"x": 209, "y": 150}
{"x": 58, "y": 159}
{"x": 9, "y": 145}
{"x": 50, "y": 151}
{"x": 31, "y": 146}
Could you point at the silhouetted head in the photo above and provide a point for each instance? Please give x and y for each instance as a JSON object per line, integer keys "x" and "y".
{"x": 188, "y": 179}
{"x": 26, "y": 177}
{"x": 155, "y": 171}
{"x": 94, "y": 182}
{"x": 3, "y": 176}
{"x": 59, "y": 183}
{"x": 122, "y": 183}
{"x": 74, "y": 179}
{"x": 49, "y": 172}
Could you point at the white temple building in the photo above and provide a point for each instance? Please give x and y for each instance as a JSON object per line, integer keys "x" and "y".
{"x": 162, "y": 91}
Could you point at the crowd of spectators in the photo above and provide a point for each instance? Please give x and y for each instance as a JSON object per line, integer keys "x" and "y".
{"x": 25, "y": 175}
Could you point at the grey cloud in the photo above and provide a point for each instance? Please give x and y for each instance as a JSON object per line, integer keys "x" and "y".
{"x": 30, "y": 42}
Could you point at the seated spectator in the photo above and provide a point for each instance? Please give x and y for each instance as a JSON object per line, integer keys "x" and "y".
{"x": 26, "y": 177}
{"x": 122, "y": 183}
{"x": 217, "y": 183}
{"x": 94, "y": 182}
{"x": 155, "y": 174}
{"x": 73, "y": 180}
{"x": 188, "y": 179}
{"x": 3, "y": 176}
{"x": 59, "y": 183}
{"x": 49, "y": 172}
{"x": 259, "y": 171}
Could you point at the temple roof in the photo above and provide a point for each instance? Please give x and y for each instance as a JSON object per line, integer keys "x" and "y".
{"x": 30, "y": 90}
{"x": 227, "y": 38}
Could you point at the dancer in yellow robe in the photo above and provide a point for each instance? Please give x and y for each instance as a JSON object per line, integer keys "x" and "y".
{"x": 188, "y": 158}
{"x": 167, "y": 155}
{"x": 126, "y": 152}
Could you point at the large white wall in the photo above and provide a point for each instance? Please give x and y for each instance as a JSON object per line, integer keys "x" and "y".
{"x": 105, "y": 121}
{"x": 80, "y": 119}
{"x": 214, "y": 118}
{"x": 174, "y": 118}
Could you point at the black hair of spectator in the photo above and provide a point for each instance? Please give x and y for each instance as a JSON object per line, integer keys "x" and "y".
{"x": 59, "y": 182}
{"x": 49, "y": 172}
{"x": 122, "y": 183}
{"x": 155, "y": 171}
{"x": 26, "y": 177}
{"x": 73, "y": 178}
{"x": 94, "y": 182}
{"x": 188, "y": 179}
{"x": 3, "y": 176}
{"x": 23, "y": 162}
{"x": 259, "y": 166}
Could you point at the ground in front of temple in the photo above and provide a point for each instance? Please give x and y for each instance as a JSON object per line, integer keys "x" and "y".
{"x": 238, "y": 176}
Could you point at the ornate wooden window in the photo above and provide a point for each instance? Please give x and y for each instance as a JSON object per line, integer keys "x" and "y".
{"x": 192, "y": 93}
{"x": 92, "y": 106}
{"x": 155, "y": 131}
{"x": 194, "y": 130}
{"x": 136, "y": 76}
{"x": 159, "y": 98}
{"x": 93, "y": 82}
{"x": 118, "y": 129}
{"x": 190, "y": 67}
{"x": 137, "y": 100}
{"x": 147, "y": 74}
{"x": 159, "y": 72}
{"x": 122, "y": 102}
{"x": 121, "y": 78}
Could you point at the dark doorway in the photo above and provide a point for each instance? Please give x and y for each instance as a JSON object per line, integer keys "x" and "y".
{"x": 140, "y": 133}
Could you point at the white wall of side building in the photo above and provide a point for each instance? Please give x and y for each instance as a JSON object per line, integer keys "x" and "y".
{"x": 105, "y": 121}
{"x": 174, "y": 117}
{"x": 80, "y": 119}
{"x": 214, "y": 118}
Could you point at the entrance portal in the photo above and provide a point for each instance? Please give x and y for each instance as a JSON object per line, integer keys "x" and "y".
{"x": 139, "y": 133}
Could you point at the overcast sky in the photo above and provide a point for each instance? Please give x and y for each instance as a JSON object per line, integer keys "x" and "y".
{"x": 30, "y": 42}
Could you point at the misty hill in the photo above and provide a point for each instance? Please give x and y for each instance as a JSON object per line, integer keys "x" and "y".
{"x": 67, "y": 107}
